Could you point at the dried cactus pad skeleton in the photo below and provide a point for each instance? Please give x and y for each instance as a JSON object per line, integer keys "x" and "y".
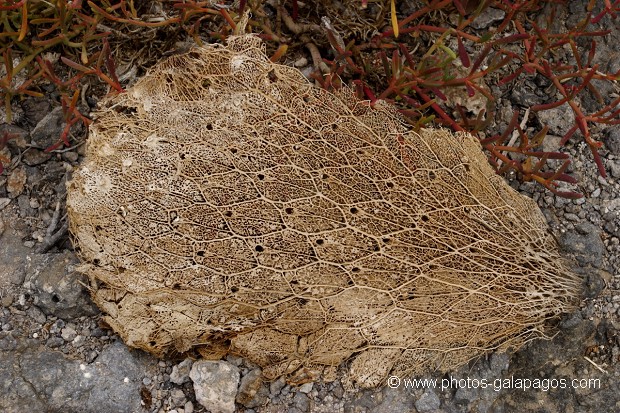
{"x": 227, "y": 204}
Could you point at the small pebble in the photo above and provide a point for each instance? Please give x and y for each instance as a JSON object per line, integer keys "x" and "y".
{"x": 70, "y": 156}
{"x": 78, "y": 341}
{"x": 306, "y": 387}
{"x": 7, "y": 301}
{"x": 68, "y": 334}
{"x": 234, "y": 360}
{"x": 54, "y": 342}
{"x": 57, "y": 326}
{"x": 16, "y": 181}
{"x": 91, "y": 356}
{"x": 178, "y": 397}
{"x": 180, "y": 372}
{"x": 301, "y": 62}
{"x": 276, "y": 386}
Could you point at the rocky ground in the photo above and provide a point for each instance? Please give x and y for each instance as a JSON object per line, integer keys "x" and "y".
{"x": 57, "y": 356}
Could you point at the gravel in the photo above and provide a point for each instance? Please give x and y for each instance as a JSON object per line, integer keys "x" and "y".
{"x": 57, "y": 354}
{"x": 215, "y": 385}
{"x": 252, "y": 391}
{"x": 46, "y": 380}
{"x": 180, "y": 372}
{"x": 48, "y": 128}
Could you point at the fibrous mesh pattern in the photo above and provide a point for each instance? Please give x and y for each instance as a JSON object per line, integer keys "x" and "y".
{"x": 227, "y": 203}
